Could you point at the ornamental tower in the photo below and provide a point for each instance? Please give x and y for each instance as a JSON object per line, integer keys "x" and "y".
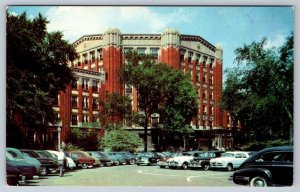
{"x": 170, "y": 41}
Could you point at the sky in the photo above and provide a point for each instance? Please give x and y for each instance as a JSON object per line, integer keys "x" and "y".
{"x": 230, "y": 26}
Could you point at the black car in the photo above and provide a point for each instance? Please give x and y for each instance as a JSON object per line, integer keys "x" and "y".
{"x": 28, "y": 170}
{"x": 47, "y": 164}
{"x": 148, "y": 158}
{"x": 268, "y": 167}
{"x": 202, "y": 161}
{"x": 13, "y": 175}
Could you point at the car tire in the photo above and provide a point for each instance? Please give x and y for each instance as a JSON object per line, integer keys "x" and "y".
{"x": 131, "y": 162}
{"x": 185, "y": 166}
{"x": 117, "y": 163}
{"x": 162, "y": 166}
{"x": 258, "y": 182}
{"x": 90, "y": 166}
{"x": 229, "y": 167}
{"x": 206, "y": 167}
{"x": 84, "y": 166}
{"x": 44, "y": 171}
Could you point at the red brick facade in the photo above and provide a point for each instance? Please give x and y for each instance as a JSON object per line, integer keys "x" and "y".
{"x": 101, "y": 57}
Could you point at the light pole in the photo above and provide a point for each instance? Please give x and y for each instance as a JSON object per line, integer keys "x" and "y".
{"x": 58, "y": 136}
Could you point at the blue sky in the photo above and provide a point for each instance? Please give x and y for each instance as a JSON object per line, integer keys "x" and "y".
{"x": 230, "y": 26}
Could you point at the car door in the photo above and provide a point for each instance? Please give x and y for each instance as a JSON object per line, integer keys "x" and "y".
{"x": 282, "y": 168}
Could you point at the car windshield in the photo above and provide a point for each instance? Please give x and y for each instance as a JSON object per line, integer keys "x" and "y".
{"x": 9, "y": 157}
{"x": 227, "y": 155}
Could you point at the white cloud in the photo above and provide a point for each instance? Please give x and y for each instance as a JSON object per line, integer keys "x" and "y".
{"x": 76, "y": 21}
{"x": 276, "y": 42}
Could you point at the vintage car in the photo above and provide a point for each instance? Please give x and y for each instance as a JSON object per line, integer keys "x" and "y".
{"x": 165, "y": 161}
{"x": 46, "y": 154}
{"x": 97, "y": 160}
{"x": 182, "y": 161}
{"x": 129, "y": 158}
{"x": 61, "y": 157}
{"x": 148, "y": 158}
{"x": 13, "y": 175}
{"x": 229, "y": 160}
{"x": 269, "y": 167}
{"x": 104, "y": 159}
{"x": 202, "y": 162}
{"x": 27, "y": 169}
{"x": 18, "y": 156}
{"x": 115, "y": 159}
{"x": 83, "y": 160}
{"x": 47, "y": 164}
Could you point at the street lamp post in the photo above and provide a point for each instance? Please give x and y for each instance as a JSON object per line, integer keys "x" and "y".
{"x": 58, "y": 131}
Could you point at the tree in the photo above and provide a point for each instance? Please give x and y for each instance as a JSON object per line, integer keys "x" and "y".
{"x": 120, "y": 140}
{"x": 36, "y": 71}
{"x": 259, "y": 91}
{"x": 161, "y": 89}
{"x": 117, "y": 106}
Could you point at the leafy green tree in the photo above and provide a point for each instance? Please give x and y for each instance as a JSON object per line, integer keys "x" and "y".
{"x": 259, "y": 91}
{"x": 36, "y": 71}
{"x": 118, "y": 107}
{"x": 161, "y": 89}
{"x": 120, "y": 140}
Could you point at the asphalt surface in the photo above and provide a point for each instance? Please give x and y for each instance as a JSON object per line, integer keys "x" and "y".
{"x": 133, "y": 175}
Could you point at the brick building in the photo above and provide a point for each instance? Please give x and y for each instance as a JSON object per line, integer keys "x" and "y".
{"x": 96, "y": 72}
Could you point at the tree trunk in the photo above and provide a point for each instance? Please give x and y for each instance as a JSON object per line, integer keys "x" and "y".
{"x": 146, "y": 134}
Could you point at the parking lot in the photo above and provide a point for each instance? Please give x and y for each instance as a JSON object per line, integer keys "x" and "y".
{"x": 133, "y": 175}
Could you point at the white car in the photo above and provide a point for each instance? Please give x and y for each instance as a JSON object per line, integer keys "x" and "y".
{"x": 229, "y": 160}
{"x": 70, "y": 163}
{"x": 183, "y": 160}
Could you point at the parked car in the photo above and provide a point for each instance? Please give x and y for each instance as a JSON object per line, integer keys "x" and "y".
{"x": 229, "y": 160}
{"x": 83, "y": 160}
{"x": 268, "y": 167}
{"x": 165, "y": 161}
{"x": 182, "y": 161}
{"x": 61, "y": 157}
{"x": 114, "y": 159}
{"x": 46, "y": 154}
{"x": 27, "y": 169}
{"x": 202, "y": 162}
{"x": 104, "y": 159}
{"x": 13, "y": 175}
{"x": 119, "y": 157}
{"x": 148, "y": 158}
{"x": 97, "y": 160}
{"x": 18, "y": 156}
{"x": 132, "y": 158}
{"x": 47, "y": 164}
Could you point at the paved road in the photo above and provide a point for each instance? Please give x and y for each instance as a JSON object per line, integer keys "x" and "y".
{"x": 133, "y": 175}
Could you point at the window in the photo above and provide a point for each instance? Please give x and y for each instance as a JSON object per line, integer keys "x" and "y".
{"x": 141, "y": 51}
{"x": 85, "y": 83}
{"x": 99, "y": 53}
{"x": 92, "y": 56}
{"x": 85, "y": 102}
{"x": 74, "y": 84}
{"x": 95, "y": 85}
{"x": 95, "y": 118}
{"x": 85, "y": 59}
{"x": 204, "y": 60}
{"x": 74, "y": 101}
{"x": 74, "y": 119}
{"x": 85, "y": 118}
{"x": 154, "y": 52}
{"x": 127, "y": 49}
{"x": 276, "y": 156}
{"x": 95, "y": 104}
